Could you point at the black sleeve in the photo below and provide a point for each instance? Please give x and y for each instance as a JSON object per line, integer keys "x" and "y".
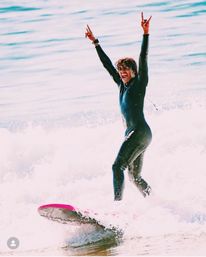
{"x": 108, "y": 64}
{"x": 143, "y": 68}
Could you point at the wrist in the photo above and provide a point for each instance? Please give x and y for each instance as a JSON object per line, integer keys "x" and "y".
{"x": 95, "y": 42}
{"x": 146, "y": 32}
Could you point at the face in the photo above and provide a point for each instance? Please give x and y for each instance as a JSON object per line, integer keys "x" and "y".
{"x": 126, "y": 74}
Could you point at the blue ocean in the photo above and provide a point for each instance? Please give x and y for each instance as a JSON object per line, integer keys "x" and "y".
{"x": 61, "y": 127}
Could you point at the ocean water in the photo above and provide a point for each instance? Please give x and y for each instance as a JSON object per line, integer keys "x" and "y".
{"x": 60, "y": 126}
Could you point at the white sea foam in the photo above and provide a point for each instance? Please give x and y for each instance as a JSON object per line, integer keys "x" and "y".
{"x": 73, "y": 165}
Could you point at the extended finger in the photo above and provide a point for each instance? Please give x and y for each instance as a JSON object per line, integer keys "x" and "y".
{"x": 142, "y": 16}
{"x": 89, "y": 29}
{"x": 149, "y": 19}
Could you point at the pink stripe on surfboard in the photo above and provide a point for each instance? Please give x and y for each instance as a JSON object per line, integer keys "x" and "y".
{"x": 57, "y": 205}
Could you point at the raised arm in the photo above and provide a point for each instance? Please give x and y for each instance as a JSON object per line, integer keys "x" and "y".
{"x": 143, "y": 68}
{"x": 102, "y": 56}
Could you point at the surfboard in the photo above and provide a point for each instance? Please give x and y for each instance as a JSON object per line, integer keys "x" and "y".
{"x": 68, "y": 214}
{"x": 100, "y": 235}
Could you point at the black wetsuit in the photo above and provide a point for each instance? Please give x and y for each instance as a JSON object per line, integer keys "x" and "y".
{"x": 138, "y": 134}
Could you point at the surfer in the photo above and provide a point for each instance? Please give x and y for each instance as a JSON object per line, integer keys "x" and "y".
{"x": 132, "y": 84}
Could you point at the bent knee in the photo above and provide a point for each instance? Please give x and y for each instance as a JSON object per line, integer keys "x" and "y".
{"x": 118, "y": 166}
